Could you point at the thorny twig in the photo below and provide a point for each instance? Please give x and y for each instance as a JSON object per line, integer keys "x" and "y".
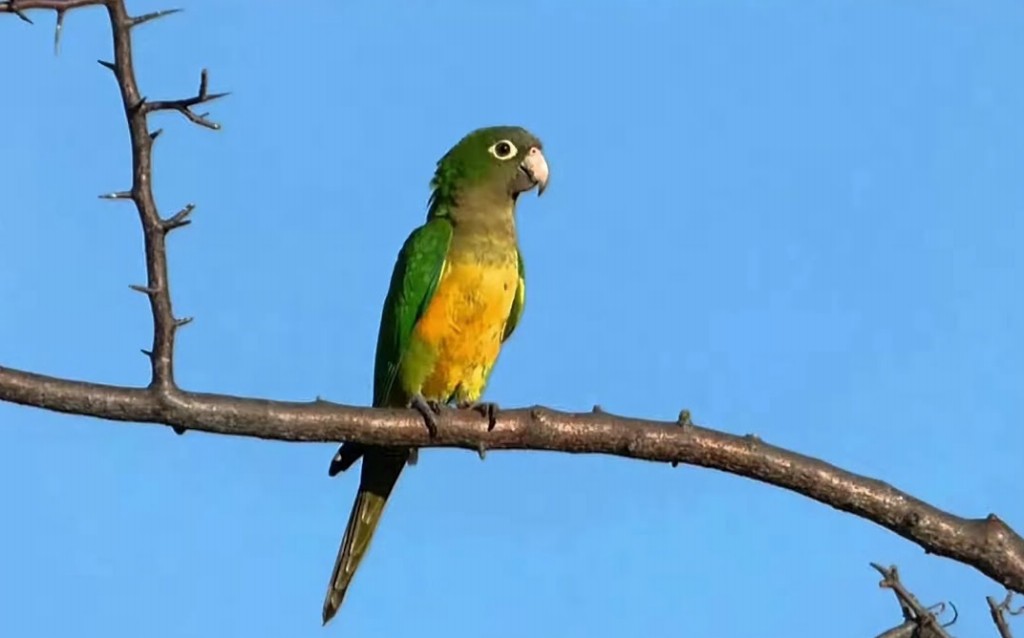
{"x": 185, "y": 106}
{"x": 155, "y": 228}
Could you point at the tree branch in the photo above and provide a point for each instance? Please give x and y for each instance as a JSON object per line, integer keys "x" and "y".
{"x": 987, "y": 544}
{"x": 137, "y": 110}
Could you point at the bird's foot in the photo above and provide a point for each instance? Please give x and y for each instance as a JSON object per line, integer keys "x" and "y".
{"x": 487, "y": 409}
{"x": 429, "y": 409}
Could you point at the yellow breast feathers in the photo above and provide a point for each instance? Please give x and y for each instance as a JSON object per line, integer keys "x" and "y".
{"x": 463, "y": 325}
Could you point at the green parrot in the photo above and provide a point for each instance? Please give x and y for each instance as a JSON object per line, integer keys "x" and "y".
{"x": 457, "y": 293}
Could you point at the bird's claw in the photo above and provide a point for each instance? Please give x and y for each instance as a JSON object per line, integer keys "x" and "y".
{"x": 429, "y": 409}
{"x": 486, "y": 409}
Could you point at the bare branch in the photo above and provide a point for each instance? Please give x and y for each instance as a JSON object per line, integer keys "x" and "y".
{"x": 987, "y": 544}
{"x": 136, "y": 110}
{"x": 180, "y": 218}
{"x": 998, "y": 611}
{"x": 185, "y": 106}
{"x": 920, "y": 621}
{"x": 162, "y": 357}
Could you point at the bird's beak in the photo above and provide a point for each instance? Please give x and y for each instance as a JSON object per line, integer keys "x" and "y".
{"x": 536, "y": 167}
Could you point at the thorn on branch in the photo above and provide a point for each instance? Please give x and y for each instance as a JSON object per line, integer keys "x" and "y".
{"x": 117, "y": 195}
{"x": 148, "y": 353}
{"x": 179, "y": 219}
{"x": 12, "y": 7}
{"x": 57, "y": 31}
{"x": 137, "y": 20}
{"x": 685, "y": 421}
{"x": 204, "y": 83}
{"x": 184, "y": 321}
{"x": 146, "y": 290}
{"x": 108, "y": 65}
{"x": 155, "y": 134}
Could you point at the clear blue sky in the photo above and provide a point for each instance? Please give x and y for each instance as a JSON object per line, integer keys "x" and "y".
{"x": 799, "y": 219}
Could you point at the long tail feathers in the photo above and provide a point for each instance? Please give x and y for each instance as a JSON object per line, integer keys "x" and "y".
{"x": 380, "y": 472}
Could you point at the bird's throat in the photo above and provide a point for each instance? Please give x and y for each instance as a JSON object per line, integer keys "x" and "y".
{"x": 484, "y": 230}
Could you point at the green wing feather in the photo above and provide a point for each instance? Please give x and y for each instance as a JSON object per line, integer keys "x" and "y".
{"x": 413, "y": 282}
{"x": 518, "y": 303}
{"x": 415, "y": 278}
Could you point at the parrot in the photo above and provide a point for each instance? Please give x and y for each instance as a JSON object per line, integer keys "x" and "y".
{"x": 457, "y": 293}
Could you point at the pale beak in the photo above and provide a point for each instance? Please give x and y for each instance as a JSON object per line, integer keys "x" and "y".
{"x": 537, "y": 168}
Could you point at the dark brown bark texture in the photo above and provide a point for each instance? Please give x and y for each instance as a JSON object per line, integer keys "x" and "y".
{"x": 987, "y": 544}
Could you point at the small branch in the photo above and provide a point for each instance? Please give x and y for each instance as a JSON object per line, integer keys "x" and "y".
{"x": 136, "y": 110}
{"x": 999, "y": 611}
{"x": 185, "y": 106}
{"x": 157, "y": 285}
{"x": 180, "y": 218}
{"x": 919, "y": 621}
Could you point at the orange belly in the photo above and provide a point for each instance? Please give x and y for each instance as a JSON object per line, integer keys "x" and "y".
{"x": 463, "y": 326}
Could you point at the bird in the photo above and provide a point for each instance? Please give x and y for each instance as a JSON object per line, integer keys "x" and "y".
{"x": 457, "y": 293}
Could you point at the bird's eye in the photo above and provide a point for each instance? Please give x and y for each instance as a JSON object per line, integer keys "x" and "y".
{"x": 503, "y": 150}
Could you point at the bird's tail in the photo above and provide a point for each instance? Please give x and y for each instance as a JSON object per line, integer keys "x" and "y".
{"x": 380, "y": 472}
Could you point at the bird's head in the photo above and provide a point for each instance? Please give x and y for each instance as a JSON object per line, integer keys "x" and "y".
{"x": 506, "y": 160}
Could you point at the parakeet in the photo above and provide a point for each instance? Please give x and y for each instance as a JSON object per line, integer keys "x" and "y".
{"x": 457, "y": 293}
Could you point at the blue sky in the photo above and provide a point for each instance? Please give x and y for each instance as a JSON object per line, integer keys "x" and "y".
{"x": 798, "y": 219}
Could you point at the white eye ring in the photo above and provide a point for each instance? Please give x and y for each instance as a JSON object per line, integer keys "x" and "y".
{"x": 503, "y": 150}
